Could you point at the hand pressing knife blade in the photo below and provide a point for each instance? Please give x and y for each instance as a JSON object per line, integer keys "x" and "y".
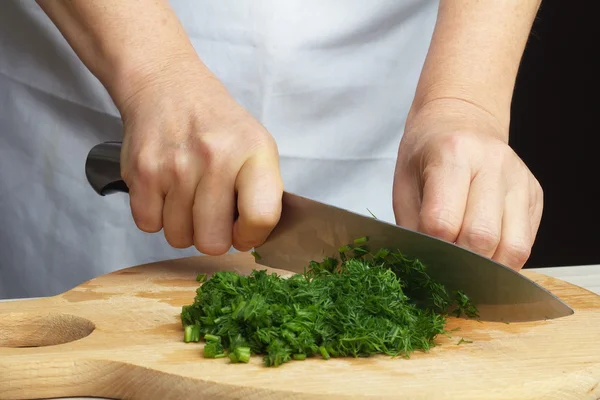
{"x": 309, "y": 230}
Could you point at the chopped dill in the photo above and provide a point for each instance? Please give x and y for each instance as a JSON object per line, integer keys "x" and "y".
{"x": 464, "y": 305}
{"x": 462, "y": 340}
{"x": 257, "y": 256}
{"x": 359, "y": 305}
{"x": 361, "y": 240}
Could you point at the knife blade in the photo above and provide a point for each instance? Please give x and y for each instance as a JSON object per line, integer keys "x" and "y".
{"x": 310, "y": 230}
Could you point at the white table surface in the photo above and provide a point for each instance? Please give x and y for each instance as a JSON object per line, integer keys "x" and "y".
{"x": 585, "y": 276}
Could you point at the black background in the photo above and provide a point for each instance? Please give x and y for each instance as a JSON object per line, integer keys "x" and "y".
{"x": 554, "y": 129}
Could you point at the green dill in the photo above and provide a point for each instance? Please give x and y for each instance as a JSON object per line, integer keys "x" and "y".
{"x": 211, "y": 338}
{"x": 464, "y": 305}
{"x": 361, "y": 240}
{"x": 372, "y": 215}
{"x": 213, "y": 349}
{"x": 240, "y": 355}
{"x": 357, "y": 305}
{"x": 257, "y": 256}
{"x": 191, "y": 333}
{"x": 462, "y": 340}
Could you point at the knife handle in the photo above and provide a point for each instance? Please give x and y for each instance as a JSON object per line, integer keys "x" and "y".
{"x": 103, "y": 169}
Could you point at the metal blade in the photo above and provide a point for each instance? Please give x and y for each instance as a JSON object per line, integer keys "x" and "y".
{"x": 310, "y": 230}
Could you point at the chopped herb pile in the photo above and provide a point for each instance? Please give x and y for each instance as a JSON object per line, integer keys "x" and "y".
{"x": 356, "y": 306}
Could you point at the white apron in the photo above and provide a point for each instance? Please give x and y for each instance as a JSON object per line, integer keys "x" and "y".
{"x": 332, "y": 80}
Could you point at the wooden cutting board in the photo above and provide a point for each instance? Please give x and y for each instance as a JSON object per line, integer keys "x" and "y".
{"x": 119, "y": 336}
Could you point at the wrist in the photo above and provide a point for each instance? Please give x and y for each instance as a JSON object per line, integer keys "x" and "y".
{"x": 131, "y": 74}
{"x": 454, "y": 114}
{"x": 463, "y": 96}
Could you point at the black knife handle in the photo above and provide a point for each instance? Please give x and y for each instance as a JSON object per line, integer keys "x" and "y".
{"x": 103, "y": 169}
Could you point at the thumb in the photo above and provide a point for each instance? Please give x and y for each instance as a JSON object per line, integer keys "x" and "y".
{"x": 260, "y": 188}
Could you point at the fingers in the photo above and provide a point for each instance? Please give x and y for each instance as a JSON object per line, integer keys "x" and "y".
{"x": 445, "y": 193}
{"x": 493, "y": 222}
{"x": 260, "y": 189}
{"x": 515, "y": 244}
{"x": 200, "y": 201}
{"x": 536, "y": 205}
{"x": 483, "y": 221}
{"x": 146, "y": 195}
{"x": 213, "y": 211}
{"x": 178, "y": 219}
{"x": 406, "y": 197}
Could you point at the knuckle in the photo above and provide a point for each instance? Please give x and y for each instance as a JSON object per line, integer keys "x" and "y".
{"x": 145, "y": 166}
{"x": 482, "y": 238}
{"x": 517, "y": 252}
{"x": 216, "y": 149}
{"x": 181, "y": 166}
{"x": 441, "y": 224}
{"x": 451, "y": 153}
{"x": 210, "y": 149}
{"x": 457, "y": 143}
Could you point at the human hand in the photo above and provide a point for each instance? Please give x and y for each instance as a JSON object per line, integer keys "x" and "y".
{"x": 457, "y": 179}
{"x": 192, "y": 157}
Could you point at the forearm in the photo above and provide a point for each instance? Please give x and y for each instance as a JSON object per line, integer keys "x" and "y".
{"x": 121, "y": 42}
{"x": 475, "y": 54}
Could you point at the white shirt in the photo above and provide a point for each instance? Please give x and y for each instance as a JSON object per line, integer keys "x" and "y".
{"x": 332, "y": 80}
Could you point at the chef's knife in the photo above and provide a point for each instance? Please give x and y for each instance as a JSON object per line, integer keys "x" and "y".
{"x": 310, "y": 230}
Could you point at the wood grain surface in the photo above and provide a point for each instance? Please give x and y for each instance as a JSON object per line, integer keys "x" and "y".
{"x": 119, "y": 336}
